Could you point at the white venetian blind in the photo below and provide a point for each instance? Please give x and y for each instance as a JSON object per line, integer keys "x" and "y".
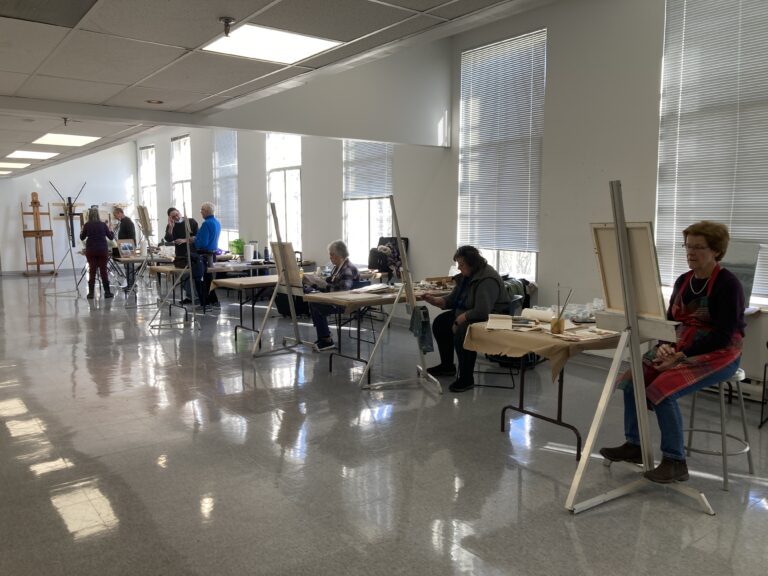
{"x": 713, "y": 137}
{"x": 367, "y": 169}
{"x": 181, "y": 174}
{"x": 225, "y": 184}
{"x": 500, "y": 141}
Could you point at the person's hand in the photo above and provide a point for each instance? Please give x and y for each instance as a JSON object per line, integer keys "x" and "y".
{"x": 180, "y": 241}
{"x": 664, "y": 351}
{"x": 670, "y": 361}
{"x": 461, "y": 319}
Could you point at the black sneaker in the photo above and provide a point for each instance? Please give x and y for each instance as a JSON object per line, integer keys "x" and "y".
{"x": 668, "y": 471}
{"x": 442, "y": 370}
{"x": 186, "y": 301}
{"x": 461, "y": 386}
{"x": 625, "y": 453}
{"x": 325, "y": 345}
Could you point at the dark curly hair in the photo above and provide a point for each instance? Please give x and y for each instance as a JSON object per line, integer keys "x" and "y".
{"x": 471, "y": 257}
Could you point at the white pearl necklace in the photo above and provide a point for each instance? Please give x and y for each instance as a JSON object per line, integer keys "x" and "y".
{"x": 690, "y": 283}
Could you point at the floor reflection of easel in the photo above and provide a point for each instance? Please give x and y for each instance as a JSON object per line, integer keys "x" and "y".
{"x": 629, "y": 270}
{"x": 290, "y": 283}
{"x": 37, "y": 233}
{"x": 145, "y": 226}
{"x": 68, "y": 215}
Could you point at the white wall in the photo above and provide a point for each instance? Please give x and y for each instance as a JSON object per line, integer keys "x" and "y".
{"x": 403, "y": 98}
{"x": 601, "y": 121}
{"x": 109, "y": 177}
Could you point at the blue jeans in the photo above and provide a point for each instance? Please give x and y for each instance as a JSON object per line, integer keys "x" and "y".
{"x": 668, "y": 414}
{"x": 319, "y": 313}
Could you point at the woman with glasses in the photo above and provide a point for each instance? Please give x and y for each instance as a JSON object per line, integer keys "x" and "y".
{"x": 708, "y": 301}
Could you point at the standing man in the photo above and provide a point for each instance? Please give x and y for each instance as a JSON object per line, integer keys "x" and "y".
{"x": 175, "y": 235}
{"x": 126, "y": 230}
{"x": 207, "y": 243}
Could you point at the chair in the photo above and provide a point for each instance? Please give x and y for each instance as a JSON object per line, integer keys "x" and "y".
{"x": 358, "y": 316}
{"x": 733, "y": 381}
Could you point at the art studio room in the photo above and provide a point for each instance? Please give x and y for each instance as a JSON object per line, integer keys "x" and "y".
{"x": 343, "y": 287}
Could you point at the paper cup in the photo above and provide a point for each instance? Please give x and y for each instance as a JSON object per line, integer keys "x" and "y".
{"x": 557, "y": 326}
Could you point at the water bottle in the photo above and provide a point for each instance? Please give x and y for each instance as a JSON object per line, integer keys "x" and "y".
{"x": 266, "y": 253}
{"x": 256, "y": 253}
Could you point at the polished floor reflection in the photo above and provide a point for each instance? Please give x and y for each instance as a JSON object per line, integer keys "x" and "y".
{"x": 125, "y": 450}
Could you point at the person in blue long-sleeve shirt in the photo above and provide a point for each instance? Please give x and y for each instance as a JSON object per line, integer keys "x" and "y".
{"x": 206, "y": 243}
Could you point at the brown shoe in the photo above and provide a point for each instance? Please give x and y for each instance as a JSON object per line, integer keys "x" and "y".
{"x": 625, "y": 453}
{"x": 668, "y": 471}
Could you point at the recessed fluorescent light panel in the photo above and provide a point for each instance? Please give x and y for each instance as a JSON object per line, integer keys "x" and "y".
{"x": 13, "y": 165}
{"x": 31, "y": 155}
{"x": 4, "y": 172}
{"x": 65, "y": 140}
{"x": 268, "y": 44}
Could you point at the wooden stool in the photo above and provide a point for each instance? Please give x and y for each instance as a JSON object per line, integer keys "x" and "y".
{"x": 733, "y": 381}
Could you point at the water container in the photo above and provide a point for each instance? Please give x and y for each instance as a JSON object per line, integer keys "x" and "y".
{"x": 248, "y": 252}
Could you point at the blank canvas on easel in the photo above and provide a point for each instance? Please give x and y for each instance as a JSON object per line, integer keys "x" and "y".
{"x": 284, "y": 256}
{"x": 645, "y": 268}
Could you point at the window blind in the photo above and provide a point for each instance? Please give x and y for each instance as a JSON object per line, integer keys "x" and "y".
{"x": 225, "y": 178}
{"x": 367, "y": 169}
{"x": 500, "y": 141}
{"x": 713, "y": 136}
{"x": 148, "y": 182}
{"x": 181, "y": 173}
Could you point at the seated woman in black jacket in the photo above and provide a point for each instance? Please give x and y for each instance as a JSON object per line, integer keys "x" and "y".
{"x": 479, "y": 291}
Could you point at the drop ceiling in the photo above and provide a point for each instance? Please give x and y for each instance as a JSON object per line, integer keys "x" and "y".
{"x": 115, "y": 68}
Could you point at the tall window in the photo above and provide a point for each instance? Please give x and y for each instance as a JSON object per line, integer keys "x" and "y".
{"x": 366, "y": 189}
{"x": 713, "y": 138}
{"x": 225, "y": 185}
{"x": 500, "y": 140}
{"x": 148, "y": 184}
{"x": 181, "y": 174}
{"x": 284, "y": 186}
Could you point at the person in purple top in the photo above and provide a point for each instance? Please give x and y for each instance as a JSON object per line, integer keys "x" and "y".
{"x": 95, "y": 234}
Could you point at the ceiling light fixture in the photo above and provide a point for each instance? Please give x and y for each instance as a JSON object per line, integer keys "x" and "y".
{"x": 155, "y": 101}
{"x": 65, "y": 140}
{"x": 268, "y": 44}
{"x": 32, "y": 155}
{"x": 4, "y": 172}
{"x": 13, "y": 165}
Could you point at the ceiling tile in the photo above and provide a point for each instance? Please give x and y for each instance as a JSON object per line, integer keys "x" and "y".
{"x": 10, "y": 82}
{"x": 66, "y": 13}
{"x": 265, "y": 81}
{"x": 209, "y": 73}
{"x": 24, "y": 45}
{"x": 419, "y": 5}
{"x": 186, "y": 23}
{"x": 342, "y": 20}
{"x": 101, "y": 58}
{"x": 92, "y": 128}
{"x": 28, "y": 123}
{"x": 462, "y": 8}
{"x": 137, "y": 97}
{"x": 15, "y": 137}
{"x": 412, "y": 26}
{"x": 68, "y": 90}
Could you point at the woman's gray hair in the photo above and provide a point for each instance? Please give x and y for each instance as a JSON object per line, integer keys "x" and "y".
{"x": 93, "y": 215}
{"x": 210, "y": 206}
{"x": 339, "y": 248}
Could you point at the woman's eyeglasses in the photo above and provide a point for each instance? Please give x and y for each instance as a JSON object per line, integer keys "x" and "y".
{"x": 696, "y": 248}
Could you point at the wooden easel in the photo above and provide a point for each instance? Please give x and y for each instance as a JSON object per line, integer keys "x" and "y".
{"x": 422, "y": 376}
{"x": 634, "y": 330}
{"x": 37, "y": 233}
{"x": 290, "y": 283}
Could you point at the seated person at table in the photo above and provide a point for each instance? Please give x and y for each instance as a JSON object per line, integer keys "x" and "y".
{"x": 343, "y": 275}
{"x": 175, "y": 235}
{"x": 708, "y": 301}
{"x": 479, "y": 291}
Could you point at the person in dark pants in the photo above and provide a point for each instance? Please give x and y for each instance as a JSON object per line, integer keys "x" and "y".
{"x": 175, "y": 235}
{"x": 343, "y": 275}
{"x": 479, "y": 291}
{"x": 126, "y": 230}
{"x": 95, "y": 233}
{"x": 206, "y": 243}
